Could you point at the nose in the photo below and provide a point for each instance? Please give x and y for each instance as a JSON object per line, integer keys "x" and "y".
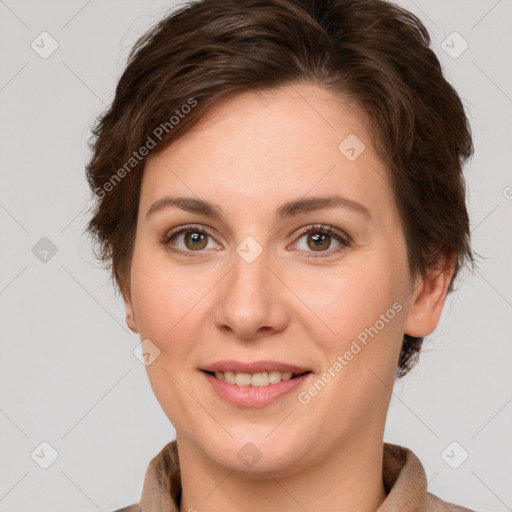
{"x": 251, "y": 300}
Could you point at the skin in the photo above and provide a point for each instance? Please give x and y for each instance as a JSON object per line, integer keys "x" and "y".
{"x": 249, "y": 154}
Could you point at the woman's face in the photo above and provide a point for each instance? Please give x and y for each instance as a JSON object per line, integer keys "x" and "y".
{"x": 229, "y": 281}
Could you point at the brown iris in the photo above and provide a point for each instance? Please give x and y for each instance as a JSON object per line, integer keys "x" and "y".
{"x": 198, "y": 240}
{"x": 320, "y": 241}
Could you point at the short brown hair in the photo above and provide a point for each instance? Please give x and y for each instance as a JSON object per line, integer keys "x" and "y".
{"x": 371, "y": 51}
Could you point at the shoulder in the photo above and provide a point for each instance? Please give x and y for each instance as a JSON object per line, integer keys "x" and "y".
{"x": 405, "y": 481}
{"x": 132, "y": 508}
{"x": 162, "y": 482}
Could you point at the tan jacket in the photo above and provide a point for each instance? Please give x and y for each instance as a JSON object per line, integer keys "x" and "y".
{"x": 403, "y": 475}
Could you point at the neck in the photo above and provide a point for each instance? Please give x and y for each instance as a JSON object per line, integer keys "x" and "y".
{"x": 347, "y": 479}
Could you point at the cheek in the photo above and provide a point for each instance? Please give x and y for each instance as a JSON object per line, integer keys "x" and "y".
{"x": 359, "y": 338}
{"x": 164, "y": 292}
{"x": 357, "y": 325}
{"x": 349, "y": 299}
{"x": 165, "y": 300}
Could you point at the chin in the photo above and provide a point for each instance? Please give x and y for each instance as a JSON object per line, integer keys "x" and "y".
{"x": 257, "y": 453}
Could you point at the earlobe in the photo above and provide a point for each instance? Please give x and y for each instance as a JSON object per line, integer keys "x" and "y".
{"x": 130, "y": 322}
{"x": 130, "y": 317}
{"x": 428, "y": 299}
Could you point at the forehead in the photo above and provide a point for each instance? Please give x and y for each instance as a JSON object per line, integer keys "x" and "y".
{"x": 302, "y": 117}
{"x": 265, "y": 145}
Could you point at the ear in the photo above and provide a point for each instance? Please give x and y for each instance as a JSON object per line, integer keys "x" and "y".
{"x": 130, "y": 316}
{"x": 428, "y": 298}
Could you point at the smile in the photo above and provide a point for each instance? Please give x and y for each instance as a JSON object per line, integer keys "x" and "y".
{"x": 254, "y": 384}
{"x": 254, "y": 379}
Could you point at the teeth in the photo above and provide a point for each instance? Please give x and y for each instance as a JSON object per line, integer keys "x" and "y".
{"x": 243, "y": 379}
{"x": 254, "y": 379}
{"x": 229, "y": 377}
{"x": 259, "y": 379}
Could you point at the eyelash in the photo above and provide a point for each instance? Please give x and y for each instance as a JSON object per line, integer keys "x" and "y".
{"x": 345, "y": 241}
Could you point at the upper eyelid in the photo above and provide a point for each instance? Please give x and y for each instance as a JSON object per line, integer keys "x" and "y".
{"x": 188, "y": 227}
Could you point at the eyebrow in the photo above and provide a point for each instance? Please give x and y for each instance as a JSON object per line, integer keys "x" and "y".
{"x": 289, "y": 209}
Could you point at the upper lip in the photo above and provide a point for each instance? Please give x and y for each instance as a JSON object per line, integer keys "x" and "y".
{"x": 253, "y": 367}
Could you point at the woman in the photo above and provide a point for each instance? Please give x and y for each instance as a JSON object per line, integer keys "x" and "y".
{"x": 279, "y": 196}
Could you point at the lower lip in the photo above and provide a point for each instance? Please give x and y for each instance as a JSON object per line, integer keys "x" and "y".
{"x": 254, "y": 396}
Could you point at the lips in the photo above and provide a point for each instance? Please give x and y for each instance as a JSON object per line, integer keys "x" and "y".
{"x": 254, "y": 384}
{"x": 254, "y": 367}
{"x": 255, "y": 396}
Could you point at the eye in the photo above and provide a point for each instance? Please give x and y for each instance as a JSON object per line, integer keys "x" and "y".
{"x": 191, "y": 238}
{"x": 319, "y": 238}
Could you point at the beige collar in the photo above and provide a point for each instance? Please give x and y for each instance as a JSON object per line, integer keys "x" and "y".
{"x": 403, "y": 476}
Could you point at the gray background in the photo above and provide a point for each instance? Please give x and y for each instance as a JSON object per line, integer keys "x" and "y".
{"x": 68, "y": 375}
